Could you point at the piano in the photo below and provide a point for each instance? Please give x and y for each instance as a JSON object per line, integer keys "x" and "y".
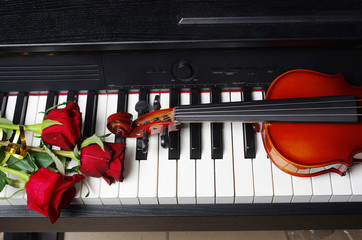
{"x": 109, "y": 56}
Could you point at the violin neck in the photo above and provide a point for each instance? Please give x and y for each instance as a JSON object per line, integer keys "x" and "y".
{"x": 313, "y": 109}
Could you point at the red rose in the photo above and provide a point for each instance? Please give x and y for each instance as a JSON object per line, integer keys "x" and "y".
{"x": 107, "y": 164}
{"x": 66, "y": 135}
{"x": 48, "y": 192}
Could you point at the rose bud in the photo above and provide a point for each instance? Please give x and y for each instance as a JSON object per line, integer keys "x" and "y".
{"x": 107, "y": 164}
{"x": 67, "y": 134}
{"x": 49, "y": 192}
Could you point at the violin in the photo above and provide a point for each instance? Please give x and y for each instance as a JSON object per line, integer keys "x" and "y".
{"x": 310, "y": 122}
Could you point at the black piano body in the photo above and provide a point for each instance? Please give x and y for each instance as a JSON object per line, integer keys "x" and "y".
{"x": 133, "y": 45}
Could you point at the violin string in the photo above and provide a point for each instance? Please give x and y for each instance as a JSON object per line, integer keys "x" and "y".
{"x": 178, "y": 112}
{"x": 253, "y": 104}
{"x": 173, "y": 115}
{"x": 262, "y": 110}
{"x": 285, "y": 115}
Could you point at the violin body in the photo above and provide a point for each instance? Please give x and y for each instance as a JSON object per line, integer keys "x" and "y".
{"x": 310, "y": 149}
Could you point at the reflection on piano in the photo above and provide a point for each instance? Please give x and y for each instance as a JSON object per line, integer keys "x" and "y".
{"x": 213, "y": 176}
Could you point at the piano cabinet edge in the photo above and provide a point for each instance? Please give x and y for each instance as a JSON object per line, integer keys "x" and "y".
{"x": 220, "y": 223}
{"x": 101, "y": 218}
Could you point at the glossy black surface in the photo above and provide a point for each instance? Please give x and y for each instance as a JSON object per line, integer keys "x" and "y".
{"x": 216, "y": 129}
{"x": 174, "y": 137}
{"x": 83, "y": 25}
{"x": 143, "y": 97}
{"x": 90, "y": 114}
{"x": 248, "y": 131}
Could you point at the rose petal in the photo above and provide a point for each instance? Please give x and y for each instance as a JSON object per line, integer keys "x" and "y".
{"x": 63, "y": 194}
{"x": 115, "y": 171}
{"x": 49, "y": 192}
{"x": 69, "y": 130}
{"x": 54, "y": 135}
{"x": 39, "y": 190}
{"x": 95, "y": 161}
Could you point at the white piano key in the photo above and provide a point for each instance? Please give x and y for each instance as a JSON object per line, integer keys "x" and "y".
{"x": 109, "y": 193}
{"x": 322, "y": 190}
{"x": 263, "y": 181}
{"x": 303, "y": 190}
{"x": 224, "y": 168}
{"x": 283, "y": 187}
{"x": 30, "y": 117}
{"x": 167, "y": 173}
{"x": 82, "y": 103}
{"x": 205, "y": 171}
{"x": 302, "y": 187}
{"x": 3, "y": 202}
{"x": 62, "y": 98}
{"x": 186, "y": 185}
{"x": 39, "y": 116}
{"x": 341, "y": 187}
{"x": 243, "y": 168}
{"x": 148, "y": 176}
{"x": 78, "y": 186}
{"x": 10, "y": 107}
{"x": 94, "y": 184}
{"x": 128, "y": 189}
{"x": 8, "y": 190}
{"x": 355, "y": 174}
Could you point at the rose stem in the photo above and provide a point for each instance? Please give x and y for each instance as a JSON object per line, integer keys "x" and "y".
{"x": 63, "y": 153}
{"x": 14, "y": 172}
{"x": 33, "y": 128}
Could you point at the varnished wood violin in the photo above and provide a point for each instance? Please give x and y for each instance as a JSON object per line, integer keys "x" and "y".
{"x": 311, "y": 122}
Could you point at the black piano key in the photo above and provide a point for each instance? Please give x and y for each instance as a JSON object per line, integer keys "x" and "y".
{"x": 72, "y": 96}
{"x": 216, "y": 129}
{"x": 195, "y": 129}
{"x": 90, "y": 114}
{"x": 121, "y": 107}
{"x": 3, "y": 102}
{"x": 20, "y": 108}
{"x": 174, "y": 148}
{"x": 140, "y": 155}
{"x": 249, "y": 134}
{"x": 52, "y": 98}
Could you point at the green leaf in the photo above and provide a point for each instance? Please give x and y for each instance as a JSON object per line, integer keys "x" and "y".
{"x": 7, "y": 132}
{"x": 105, "y": 135}
{"x": 3, "y": 180}
{"x": 92, "y": 140}
{"x": 49, "y": 123}
{"x": 73, "y": 169}
{"x": 24, "y": 165}
{"x": 58, "y": 163}
{"x": 63, "y": 159}
{"x": 76, "y": 152}
{"x": 42, "y": 160}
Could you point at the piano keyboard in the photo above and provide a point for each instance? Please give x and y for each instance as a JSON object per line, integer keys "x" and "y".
{"x": 160, "y": 179}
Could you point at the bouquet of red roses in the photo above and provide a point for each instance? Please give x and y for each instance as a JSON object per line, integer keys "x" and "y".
{"x": 42, "y": 173}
